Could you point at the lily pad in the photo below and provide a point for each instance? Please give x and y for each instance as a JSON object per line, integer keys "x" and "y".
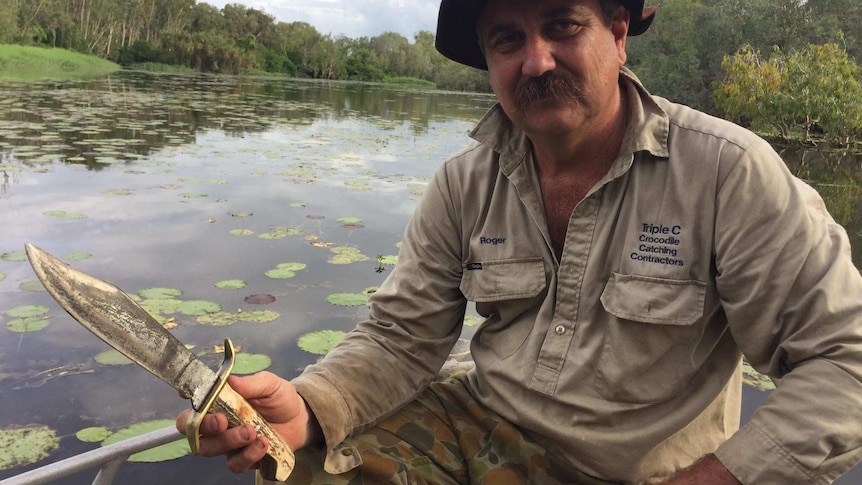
{"x": 258, "y": 316}
{"x": 218, "y": 319}
{"x": 198, "y": 307}
{"x": 320, "y": 342}
{"x": 282, "y": 232}
{"x": 240, "y": 214}
{"x": 389, "y": 259}
{"x": 64, "y": 215}
{"x": 2, "y": 276}
{"x": 159, "y": 293}
{"x": 112, "y": 357}
{"x": 93, "y": 434}
{"x": 261, "y": 299}
{"x": 118, "y": 192}
{"x": 32, "y": 286}
{"x": 165, "y": 452}
{"x": 76, "y": 256}
{"x": 347, "y": 299}
{"x": 472, "y": 320}
{"x": 26, "y": 445}
{"x": 14, "y": 256}
{"x": 27, "y": 311}
{"x": 285, "y": 270}
{"x": 157, "y": 306}
{"x": 755, "y": 379}
{"x": 346, "y": 255}
{"x": 251, "y": 363}
{"x": 27, "y": 324}
{"x": 298, "y": 204}
{"x": 242, "y": 232}
{"x": 231, "y": 284}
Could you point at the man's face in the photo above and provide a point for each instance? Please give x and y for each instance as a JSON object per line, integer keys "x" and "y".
{"x": 553, "y": 64}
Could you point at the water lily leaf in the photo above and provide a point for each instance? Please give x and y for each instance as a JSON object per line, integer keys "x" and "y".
{"x": 346, "y": 255}
{"x": 240, "y": 214}
{"x": 315, "y": 217}
{"x": 231, "y": 284}
{"x": 118, "y": 192}
{"x": 357, "y": 185}
{"x": 155, "y": 307}
{"x": 76, "y": 256}
{"x": 472, "y": 320}
{"x": 347, "y": 299}
{"x": 159, "y": 293}
{"x": 27, "y": 311}
{"x": 14, "y": 256}
{"x": 320, "y": 342}
{"x": 198, "y": 307}
{"x": 260, "y": 299}
{"x": 2, "y": 276}
{"x": 282, "y": 232}
{"x": 28, "y": 324}
{"x": 93, "y": 434}
{"x": 755, "y": 379}
{"x": 112, "y": 357}
{"x": 250, "y": 363}
{"x": 218, "y": 181}
{"x": 193, "y": 195}
{"x": 370, "y": 290}
{"x": 242, "y": 232}
{"x": 26, "y": 445}
{"x": 389, "y": 259}
{"x": 258, "y": 316}
{"x": 32, "y": 286}
{"x": 165, "y": 452}
{"x": 64, "y": 215}
{"x": 298, "y": 204}
{"x": 285, "y": 270}
{"x": 218, "y": 319}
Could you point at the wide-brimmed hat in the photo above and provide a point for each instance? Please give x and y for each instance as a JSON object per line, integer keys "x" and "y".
{"x": 456, "y": 28}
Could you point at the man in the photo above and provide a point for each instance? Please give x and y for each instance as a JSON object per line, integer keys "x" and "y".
{"x": 625, "y": 252}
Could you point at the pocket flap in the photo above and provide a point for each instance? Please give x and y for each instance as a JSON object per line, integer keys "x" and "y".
{"x": 654, "y": 300}
{"x": 503, "y": 280}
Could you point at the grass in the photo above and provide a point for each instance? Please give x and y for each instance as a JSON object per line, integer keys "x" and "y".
{"x": 28, "y": 63}
{"x": 410, "y": 81}
{"x": 158, "y": 67}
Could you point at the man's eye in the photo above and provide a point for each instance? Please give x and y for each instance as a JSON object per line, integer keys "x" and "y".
{"x": 505, "y": 41}
{"x": 564, "y": 27}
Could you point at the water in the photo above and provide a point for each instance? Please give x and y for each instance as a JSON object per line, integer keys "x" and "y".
{"x": 160, "y": 173}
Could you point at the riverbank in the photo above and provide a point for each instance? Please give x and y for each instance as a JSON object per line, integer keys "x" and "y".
{"x": 27, "y": 63}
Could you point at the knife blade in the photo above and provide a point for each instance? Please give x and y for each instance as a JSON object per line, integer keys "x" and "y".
{"x": 110, "y": 314}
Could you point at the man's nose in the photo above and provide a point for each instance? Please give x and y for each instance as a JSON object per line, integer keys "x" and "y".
{"x": 539, "y": 57}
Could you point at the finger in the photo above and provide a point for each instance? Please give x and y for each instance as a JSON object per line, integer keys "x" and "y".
{"x": 212, "y": 424}
{"x": 226, "y": 441}
{"x": 248, "y": 457}
{"x": 262, "y": 384}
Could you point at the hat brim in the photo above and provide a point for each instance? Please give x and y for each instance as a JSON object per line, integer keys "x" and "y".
{"x": 457, "y": 38}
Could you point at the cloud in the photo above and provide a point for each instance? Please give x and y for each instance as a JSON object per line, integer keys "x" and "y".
{"x": 351, "y": 18}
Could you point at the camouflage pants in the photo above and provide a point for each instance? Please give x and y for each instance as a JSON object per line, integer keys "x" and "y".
{"x": 443, "y": 437}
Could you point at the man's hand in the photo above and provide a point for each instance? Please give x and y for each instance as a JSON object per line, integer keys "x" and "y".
{"x": 277, "y": 402}
{"x": 706, "y": 471}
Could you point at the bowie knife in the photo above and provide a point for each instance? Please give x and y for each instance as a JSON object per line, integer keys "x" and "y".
{"x": 115, "y": 318}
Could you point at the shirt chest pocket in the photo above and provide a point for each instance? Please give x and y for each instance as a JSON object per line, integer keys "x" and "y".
{"x": 503, "y": 291}
{"x": 650, "y": 337}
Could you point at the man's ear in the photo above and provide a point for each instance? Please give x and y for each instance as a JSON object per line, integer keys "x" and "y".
{"x": 620, "y": 29}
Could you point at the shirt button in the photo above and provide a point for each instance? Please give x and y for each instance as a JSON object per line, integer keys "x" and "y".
{"x": 560, "y": 329}
{"x": 347, "y": 452}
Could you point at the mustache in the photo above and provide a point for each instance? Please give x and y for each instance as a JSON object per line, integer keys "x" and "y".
{"x": 551, "y": 85}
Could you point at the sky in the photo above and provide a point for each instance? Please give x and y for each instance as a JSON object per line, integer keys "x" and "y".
{"x": 350, "y": 18}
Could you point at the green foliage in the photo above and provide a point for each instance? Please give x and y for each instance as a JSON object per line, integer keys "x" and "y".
{"x": 22, "y": 62}
{"x": 818, "y": 85}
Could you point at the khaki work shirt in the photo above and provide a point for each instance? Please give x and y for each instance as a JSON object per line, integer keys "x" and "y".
{"x": 623, "y": 356}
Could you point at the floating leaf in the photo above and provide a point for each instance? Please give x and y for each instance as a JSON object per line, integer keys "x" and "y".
{"x": 282, "y": 232}
{"x": 251, "y": 363}
{"x": 159, "y": 293}
{"x": 155, "y": 307}
{"x": 14, "y": 256}
{"x": 193, "y": 195}
{"x": 26, "y": 445}
{"x": 242, "y": 232}
{"x": 370, "y": 290}
{"x": 298, "y": 204}
{"x": 315, "y": 217}
{"x": 320, "y": 342}
{"x": 258, "y": 316}
{"x": 2, "y": 276}
{"x": 32, "y": 286}
{"x": 118, "y": 192}
{"x": 64, "y": 215}
{"x": 112, "y": 357}
{"x": 198, "y": 307}
{"x": 76, "y": 256}
{"x": 389, "y": 259}
{"x": 93, "y": 434}
{"x": 357, "y": 185}
{"x": 285, "y": 270}
{"x": 27, "y": 324}
{"x": 217, "y": 319}
{"x": 346, "y": 255}
{"x": 240, "y": 214}
{"x": 755, "y": 379}
{"x": 165, "y": 452}
{"x": 231, "y": 284}
{"x": 27, "y": 311}
{"x": 347, "y": 299}
{"x": 260, "y": 299}
{"x": 472, "y": 320}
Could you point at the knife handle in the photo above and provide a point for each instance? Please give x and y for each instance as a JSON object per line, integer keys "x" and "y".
{"x": 279, "y": 460}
